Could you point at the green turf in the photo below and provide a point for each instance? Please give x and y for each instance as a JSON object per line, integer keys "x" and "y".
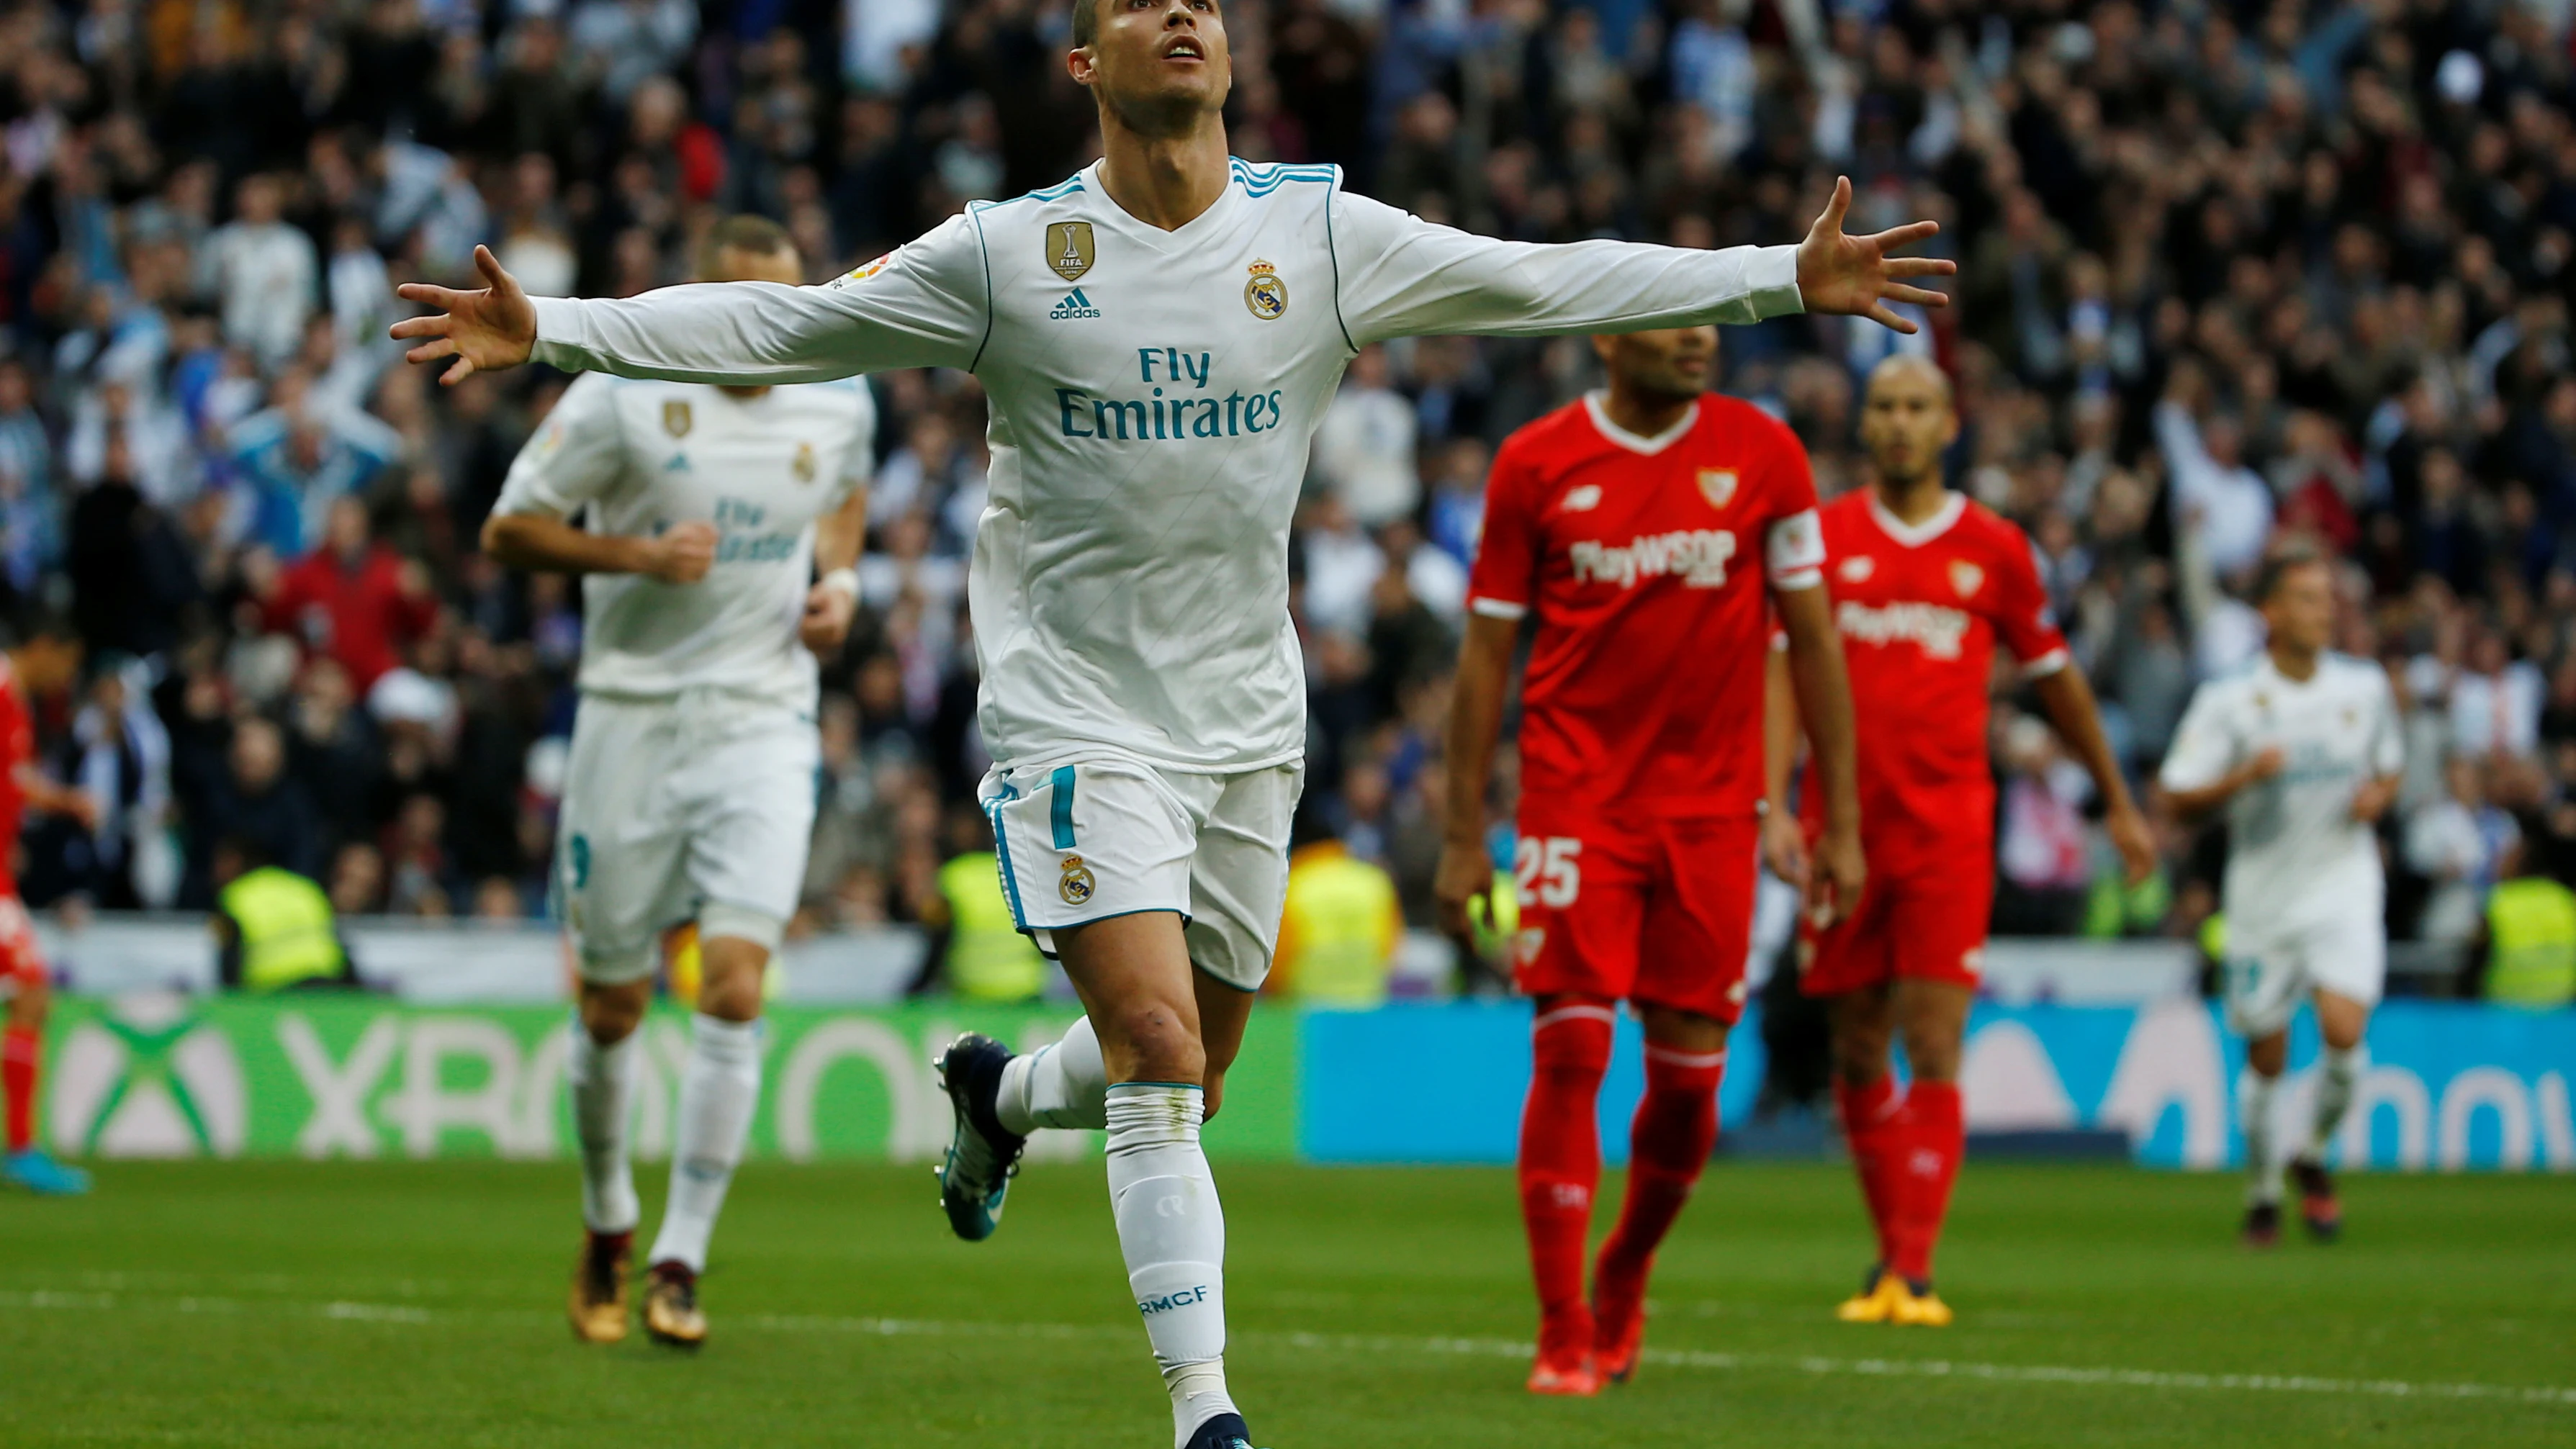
{"x": 380, "y": 1305}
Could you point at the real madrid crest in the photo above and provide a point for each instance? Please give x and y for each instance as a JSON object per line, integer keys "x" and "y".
{"x": 1266, "y": 296}
{"x": 803, "y": 467}
{"x": 1717, "y": 485}
{"x": 1069, "y": 248}
{"x": 1965, "y": 577}
{"x": 1076, "y": 885}
{"x": 675, "y": 418}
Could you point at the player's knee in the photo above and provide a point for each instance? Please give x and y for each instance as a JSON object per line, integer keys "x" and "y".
{"x": 1159, "y": 1042}
{"x": 1570, "y": 1035}
{"x": 611, "y": 1013}
{"x": 1933, "y": 1056}
{"x": 2268, "y": 1055}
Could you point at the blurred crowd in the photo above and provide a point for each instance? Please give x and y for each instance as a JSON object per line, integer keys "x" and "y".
{"x": 2227, "y": 272}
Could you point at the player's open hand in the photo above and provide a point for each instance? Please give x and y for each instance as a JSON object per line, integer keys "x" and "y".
{"x": 1466, "y": 876}
{"x": 485, "y": 331}
{"x": 1836, "y": 878}
{"x": 1854, "y": 276}
{"x": 2134, "y": 839}
{"x": 829, "y": 609}
{"x": 682, "y": 553}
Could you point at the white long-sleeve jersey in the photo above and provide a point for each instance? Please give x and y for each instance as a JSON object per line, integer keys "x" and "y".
{"x": 1152, "y": 395}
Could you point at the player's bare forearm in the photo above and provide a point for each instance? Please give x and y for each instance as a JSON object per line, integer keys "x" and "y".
{"x": 1822, "y": 687}
{"x": 839, "y": 533}
{"x": 1475, "y": 721}
{"x": 2068, "y": 697}
{"x": 549, "y": 545}
{"x": 1779, "y": 731}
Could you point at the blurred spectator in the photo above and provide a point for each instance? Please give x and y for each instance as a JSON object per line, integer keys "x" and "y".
{"x": 2526, "y": 952}
{"x": 260, "y": 807}
{"x": 1364, "y": 447}
{"x": 352, "y": 600}
{"x": 976, "y": 946}
{"x": 2457, "y": 843}
{"x": 274, "y": 929}
{"x": 261, "y": 272}
{"x": 1338, "y": 936}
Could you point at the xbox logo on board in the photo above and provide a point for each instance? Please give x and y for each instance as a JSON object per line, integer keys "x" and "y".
{"x": 149, "y": 1079}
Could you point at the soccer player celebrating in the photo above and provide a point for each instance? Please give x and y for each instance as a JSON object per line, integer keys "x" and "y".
{"x": 690, "y": 793}
{"x": 1926, "y": 583}
{"x": 1649, "y": 527}
{"x": 46, "y": 661}
{"x": 2303, "y": 749}
{"x": 1157, "y": 337}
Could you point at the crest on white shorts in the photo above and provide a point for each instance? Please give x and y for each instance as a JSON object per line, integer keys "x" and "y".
{"x": 1077, "y": 883}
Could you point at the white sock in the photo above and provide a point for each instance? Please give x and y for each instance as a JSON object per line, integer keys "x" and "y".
{"x": 602, "y": 1080}
{"x": 2254, "y": 1116}
{"x": 2337, "y": 1073}
{"x": 1172, "y": 1231}
{"x": 718, "y": 1092}
{"x": 1064, "y": 1085}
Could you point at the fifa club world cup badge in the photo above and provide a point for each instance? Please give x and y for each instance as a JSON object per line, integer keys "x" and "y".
{"x": 675, "y": 418}
{"x": 803, "y": 467}
{"x": 1076, "y": 886}
{"x": 1069, "y": 249}
{"x": 1266, "y": 295}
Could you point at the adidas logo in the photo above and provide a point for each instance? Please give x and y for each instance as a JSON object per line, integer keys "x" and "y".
{"x": 1074, "y": 305}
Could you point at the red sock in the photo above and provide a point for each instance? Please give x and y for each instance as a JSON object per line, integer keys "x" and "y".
{"x": 1932, "y": 1140}
{"x": 1675, "y": 1129}
{"x": 1560, "y": 1163}
{"x": 18, "y": 1083}
{"x": 1870, "y": 1126}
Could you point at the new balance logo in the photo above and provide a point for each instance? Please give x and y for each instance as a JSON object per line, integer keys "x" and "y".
{"x": 1074, "y": 305}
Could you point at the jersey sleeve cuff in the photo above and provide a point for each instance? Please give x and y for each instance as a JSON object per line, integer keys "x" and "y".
{"x": 558, "y": 328}
{"x": 1497, "y": 608}
{"x": 2046, "y": 664}
{"x": 1772, "y": 280}
{"x": 1797, "y": 579}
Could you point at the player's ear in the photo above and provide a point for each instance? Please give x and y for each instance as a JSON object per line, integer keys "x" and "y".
{"x": 1603, "y": 345}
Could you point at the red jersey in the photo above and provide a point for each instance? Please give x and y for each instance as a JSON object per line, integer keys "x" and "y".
{"x": 1921, "y": 609}
{"x": 1645, "y": 560}
{"x": 17, "y": 752}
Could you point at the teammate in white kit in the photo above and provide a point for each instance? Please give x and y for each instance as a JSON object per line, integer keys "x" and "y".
{"x": 690, "y": 795}
{"x": 1157, "y": 338}
{"x": 2303, "y": 748}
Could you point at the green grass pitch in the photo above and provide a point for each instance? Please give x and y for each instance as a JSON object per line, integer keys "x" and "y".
{"x": 381, "y": 1304}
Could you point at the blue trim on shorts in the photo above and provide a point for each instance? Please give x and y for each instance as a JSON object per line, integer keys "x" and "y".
{"x": 1060, "y": 810}
{"x": 1002, "y": 854}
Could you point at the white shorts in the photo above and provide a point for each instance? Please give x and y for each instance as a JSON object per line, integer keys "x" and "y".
{"x": 2269, "y": 972}
{"x": 1092, "y": 838}
{"x": 703, "y": 803}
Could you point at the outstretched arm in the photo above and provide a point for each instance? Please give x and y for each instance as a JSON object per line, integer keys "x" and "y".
{"x": 1402, "y": 276}
{"x": 921, "y": 306}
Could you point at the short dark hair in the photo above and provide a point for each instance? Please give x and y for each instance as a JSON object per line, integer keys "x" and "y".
{"x": 743, "y": 232}
{"x": 2280, "y": 563}
{"x": 1086, "y": 22}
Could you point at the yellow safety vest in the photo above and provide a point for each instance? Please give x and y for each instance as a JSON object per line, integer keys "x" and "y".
{"x": 2531, "y": 928}
{"x": 286, "y": 930}
{"x": 1337, "y": 938}
{"x": 988, "y": 958}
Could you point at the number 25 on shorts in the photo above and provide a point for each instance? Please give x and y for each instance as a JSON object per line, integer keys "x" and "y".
{"x": 1547, "y": 870}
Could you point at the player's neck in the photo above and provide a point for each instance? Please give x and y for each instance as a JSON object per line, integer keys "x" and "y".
{"x": 1912, "y": 500}
{"x": 1164, "y": 181}
{"x": 2299, "y": 665}
{"x": 1643, "y": 413}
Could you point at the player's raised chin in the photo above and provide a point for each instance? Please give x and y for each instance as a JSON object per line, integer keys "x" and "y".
{"x": 1142, "y": 56}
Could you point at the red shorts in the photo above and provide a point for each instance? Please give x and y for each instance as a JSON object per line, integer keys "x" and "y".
{"x": 1920, "y": 919}
{"x": 1659, "y": 912}
{"x": 21, "y": 963}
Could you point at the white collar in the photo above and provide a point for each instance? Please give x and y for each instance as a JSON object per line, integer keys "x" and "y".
{"x": 1915, "y": 535}
{"x": 1630, "y": 441}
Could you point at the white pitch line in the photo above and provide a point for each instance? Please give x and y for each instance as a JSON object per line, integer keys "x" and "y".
{"x": 1375, "y": 1344}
